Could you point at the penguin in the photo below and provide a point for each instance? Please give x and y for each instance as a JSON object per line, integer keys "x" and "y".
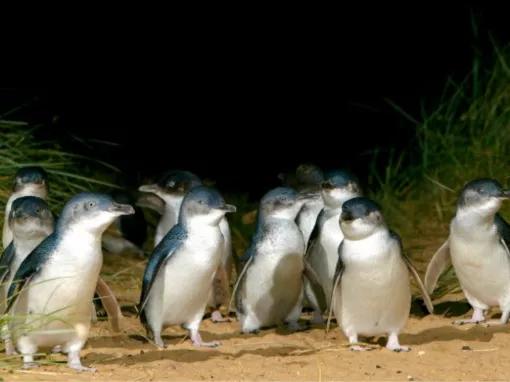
{"x": 28, "y": 181}
{"x": 371, "y": 292}
{"x": 322, "y": 251}
{"x": 478, "y": 249}
{"x": 171, "y": 188}
{"x": 30, "y": 221}
{"x": 50, "y": 298}
{"x": 269, "y": 290}
{"x": 180, "y": 272}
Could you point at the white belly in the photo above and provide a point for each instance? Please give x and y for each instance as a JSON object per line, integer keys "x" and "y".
{"x": 483, "y": 269}
{"x": 324, "y": 255}
{"x": 273, "y": 287}
{"x": 274, "y": 281}
{"x": 374, "y": 296}
{"x": 181, "y": 290}
{"x": 56, "y": 306}
{"x": 307, "y": 218}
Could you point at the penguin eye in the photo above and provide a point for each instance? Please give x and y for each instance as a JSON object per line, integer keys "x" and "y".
{"x": 201, "y": 201}
{"x": 91, "y": 204}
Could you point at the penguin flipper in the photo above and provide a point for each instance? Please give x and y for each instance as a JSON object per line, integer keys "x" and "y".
{"x": 170, "y": 243}
{"x": 440, "y": 261}
{"x": 414, "y": 273}
{"x": 110, "y": 304}
{"x": 315, "y": 233}
{"x": 504, "y": 232}
{"x": 6, "y": 261}
{"x": 30, "y": 267}
{"x": 416, "y": 276}
{"x": 245, "y": 263}
{"x": 317, "y": 289}
{"x": 339, "y": 270}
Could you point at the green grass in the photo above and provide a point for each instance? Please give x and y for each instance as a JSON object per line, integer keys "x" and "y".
{"x": 466, "y": 136}
{"x": 69, "y": 173}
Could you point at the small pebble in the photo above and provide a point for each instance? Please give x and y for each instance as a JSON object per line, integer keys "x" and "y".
{"x": 421, "y": 352}
{"x": 465, "y": 347}
{"x": 377, "y": 366}
{"x": 410, "y": 378}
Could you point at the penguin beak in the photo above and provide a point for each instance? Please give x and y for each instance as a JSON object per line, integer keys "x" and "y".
{"x": 122, "y": 209}
{"x": 228, "y": 208}
{"x": 152, "y": 188}
{"x": 505, "y": 194}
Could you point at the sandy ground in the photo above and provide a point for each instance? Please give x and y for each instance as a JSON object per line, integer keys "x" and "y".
{"x": 440, "y": 351}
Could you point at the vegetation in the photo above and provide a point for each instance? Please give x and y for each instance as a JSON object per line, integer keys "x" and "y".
{"x": 466, "y": 136}
{"x": 19, "y": 148}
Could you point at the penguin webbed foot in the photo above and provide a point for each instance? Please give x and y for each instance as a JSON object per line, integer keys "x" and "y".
{"x": 394, "y": 345}
{"x": 478, "y": 317}
{"x": 468, "y": 321}
{"x": 217, "y": 317}
{"x": 196, "y": 338}
{"x": 81, "y": 368}
{"x": 400, "y": 349}
{"x": 74, "y": 362}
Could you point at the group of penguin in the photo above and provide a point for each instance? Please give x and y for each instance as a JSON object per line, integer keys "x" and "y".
{"x": 318, "y": 243}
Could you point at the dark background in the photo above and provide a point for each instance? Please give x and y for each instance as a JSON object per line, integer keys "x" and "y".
{"x": 241, "y": 103}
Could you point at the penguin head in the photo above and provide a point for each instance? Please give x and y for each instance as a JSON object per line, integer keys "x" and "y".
{"x": 282, "y": 202}
{"x": 484, "y": 196}
{"x": 91, "y": 212}
{"x": 203, "y": 205}
{"x": 338, "y": 187}
{"x": 30, "y": 217}
{"x": 309, "y": 176}
{"x": 173, "y": 185}
{"x": 360, "y": 217}
{"x": 32, "y": 178}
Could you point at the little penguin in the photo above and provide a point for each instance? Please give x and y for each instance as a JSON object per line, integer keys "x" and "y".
{"x": 269, "y": 290}
{"x": 338, "y": 187}
{"x": 171, "y": 188}
{"x": 50, "y": 298}
{"x": 28, "y": 181}
{"x": 371, "y": 291}
{"x": 478, "y": 249}
{"x": 179, "y": 275}
{"x": 30, "y": 221}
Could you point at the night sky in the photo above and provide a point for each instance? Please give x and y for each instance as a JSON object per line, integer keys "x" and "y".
{"x": 252, "y": 100}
